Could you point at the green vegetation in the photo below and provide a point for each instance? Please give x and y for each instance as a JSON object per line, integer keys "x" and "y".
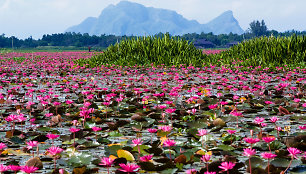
{"x": 83, "y": 41}
{"x": 147, "y": 50}
{"x": 265, "y": 52}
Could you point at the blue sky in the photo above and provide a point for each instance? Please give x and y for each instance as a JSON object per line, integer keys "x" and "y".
{"x": 24, "y": 18}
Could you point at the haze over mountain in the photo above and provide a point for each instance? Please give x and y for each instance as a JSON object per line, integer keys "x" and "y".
{"x": 128, "y": 18}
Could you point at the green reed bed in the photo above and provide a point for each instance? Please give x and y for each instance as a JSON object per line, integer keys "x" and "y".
{"x": 265, "y": 52}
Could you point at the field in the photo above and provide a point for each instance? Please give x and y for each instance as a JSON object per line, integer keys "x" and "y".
{"x": 64, "y": 118}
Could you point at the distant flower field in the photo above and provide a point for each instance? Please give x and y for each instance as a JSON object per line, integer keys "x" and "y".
{"x": 58, "y": 116}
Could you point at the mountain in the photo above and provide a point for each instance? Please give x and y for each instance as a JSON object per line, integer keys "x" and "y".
{"x": 225, "y": 23}
{"x": 127, "y": 18}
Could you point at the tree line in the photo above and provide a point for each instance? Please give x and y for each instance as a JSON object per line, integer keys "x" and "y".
{"x": 257, "y": 29}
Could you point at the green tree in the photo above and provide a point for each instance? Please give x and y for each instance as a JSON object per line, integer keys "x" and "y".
{"x": 258, "y": 28}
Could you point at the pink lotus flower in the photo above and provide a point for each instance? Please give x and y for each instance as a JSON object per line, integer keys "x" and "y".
{"x": 191, "y": 171}
{"x": 267, "y": 155}
{"x": 29, "y": 169}
{"x": 52, "y": 136}
{"x": 49, "y": 114}
{"x": 96, "y": 129}
{"x": 269, "y": 102}
{"x": 56, "y": 103}
{"x": 213, "y": 106}
{"x": 165, "y": 128}
{"x": 129, "y": 168}
{"x": 273, "y": 119}
{"x": 3, "y": 168}
{"x": 151, "y": 130}
{"x": 249, "y": 152}
{"x": 209, "y": 172}
{"x": 14, "y": 167}
{"x": 304, "y": 105}
{"x": 137, "y": 142}
{"x": 31, "y": 144}
{"x": 268, "y": 139}
{"x": 297, "y": 100}
{"x": 205, "y": 158}
{"x": 162, "y": 106}
{"x": 303, "y": 127}
{"x": 231, "y": 131}
{"x": 69, "y": 102}
{"x": 54, "y": 150}
{"x": 107, "y": 162}
{"x": 226, "y": 166}
{"x": 251, "y": 140}
{"x": 259, "y": 120}
{"x": 169, "y": 143}
{"x": 87, "y": 104}
{"x": 2, "y": 146}
{"x": 146, "y": 158}
{"x": 73, "y": 130}
{"x": 235, "y": 113}
{"x": 170, "y": 110}
{"x": 202, "y": 132}
{"x": 293, "y": 152}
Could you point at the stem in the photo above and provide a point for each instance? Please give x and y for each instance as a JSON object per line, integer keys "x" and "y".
{"x": 13, "y": 129}
{"x": 170, "y": 153}
{"x": 207, "y": 167}
{"x": 289, "y": 164}
{"x": 269, "y": 147}
{"x": 54, "y": 162}
{"x": 268, "y": 166}
{"x": 138, "y": 151}
{"x": 250, "y": 165}
{"x": 37, "y": 150}
{"x": 107, "y": 170}
{"x": 74, "y": 139}
{"x": 84, "y": 121}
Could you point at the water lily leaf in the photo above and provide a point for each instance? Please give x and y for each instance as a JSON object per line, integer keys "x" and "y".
{"x": 91, "y": 144}
{"x": 112, "y": 150}
{"x": 80, "y": 159}
{"x": 162, "y": 133}
{"x": 142, "y": 149}
{"x": 115, "y": 134}
{"x": 16, "y": 140}
{"x": 81, "y": 141}
{"x": 207, "y": 137}
{"x": 44, "y": 129}
{"x": 73, "y": 160}
{"x": 255, "y": 162}
{"x": 200, "y": 152}
{"x": 125, "y": 154}
{"x": 85, "y": 158}
{"x": 225, "y": 147}
{"x": 189, "y": 155}
{"x": 169, "y": 171}
{"x": 282, "y": 162}
{"x": 80, "y": 170}
{"x": 89, "y": 125}
{"x": 16, "y": 152}
{"x": 275, "y": 145}
{"x": 148, "y": 166}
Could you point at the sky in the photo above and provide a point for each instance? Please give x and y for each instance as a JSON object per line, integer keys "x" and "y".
{"x": 25, "y": 18}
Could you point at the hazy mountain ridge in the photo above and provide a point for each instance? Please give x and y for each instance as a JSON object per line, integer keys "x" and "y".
{"x": 127, "y": 18}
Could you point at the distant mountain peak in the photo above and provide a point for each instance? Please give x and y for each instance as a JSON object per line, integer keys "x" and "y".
{"x": 130, "y": 18}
